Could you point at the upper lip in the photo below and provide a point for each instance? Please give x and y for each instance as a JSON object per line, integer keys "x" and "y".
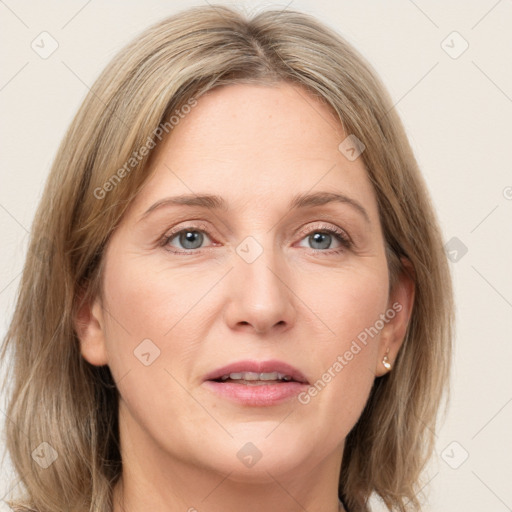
{"x": 258, "y": 367}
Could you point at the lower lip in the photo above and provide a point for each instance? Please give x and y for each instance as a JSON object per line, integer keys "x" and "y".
{"x": 256, "y": 395}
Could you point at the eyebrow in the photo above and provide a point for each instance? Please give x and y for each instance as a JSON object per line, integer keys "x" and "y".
{"x": 215, "y": 202}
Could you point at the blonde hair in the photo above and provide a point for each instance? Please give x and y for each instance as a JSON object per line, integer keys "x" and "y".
{"x": 59, "y": 398}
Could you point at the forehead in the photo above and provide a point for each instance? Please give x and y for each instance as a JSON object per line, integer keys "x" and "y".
{"x": 257, "y": 144}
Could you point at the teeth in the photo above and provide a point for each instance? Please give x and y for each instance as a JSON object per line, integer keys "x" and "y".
{"x": 270, "y": 376}
{"x": 256, "y": 376}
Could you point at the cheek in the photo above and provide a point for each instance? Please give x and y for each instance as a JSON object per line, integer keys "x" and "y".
{"x": 148, "y": 300}
{"x": 351, "y": 306}
{"x": 152, "y": 336}
{"x": 348, "y": 301}
{"x": 155, "y": 326}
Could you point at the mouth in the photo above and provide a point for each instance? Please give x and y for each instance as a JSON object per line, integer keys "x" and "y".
{"x": 257, "y": 373}
{"x": 255, "y": 379}
{"x": 256, "y": 383}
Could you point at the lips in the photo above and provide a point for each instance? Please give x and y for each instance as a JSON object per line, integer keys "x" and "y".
{"x": 256, "y": 383}
{"x": 257, "y": 373}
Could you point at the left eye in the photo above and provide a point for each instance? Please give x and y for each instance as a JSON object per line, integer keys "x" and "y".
{"x": 188, "y": 238}
{"x": 323, "y": 239}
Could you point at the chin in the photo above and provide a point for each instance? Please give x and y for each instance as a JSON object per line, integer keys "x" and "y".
{"x": 257, "y": 456}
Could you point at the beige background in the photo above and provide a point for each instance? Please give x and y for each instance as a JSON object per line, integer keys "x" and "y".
{"x": 457, "y": 112}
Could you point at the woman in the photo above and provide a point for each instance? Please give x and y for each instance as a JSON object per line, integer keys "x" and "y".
{"x": 236, "y": 292}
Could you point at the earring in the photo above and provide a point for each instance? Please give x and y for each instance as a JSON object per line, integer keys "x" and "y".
{"x": 385, "y": 361}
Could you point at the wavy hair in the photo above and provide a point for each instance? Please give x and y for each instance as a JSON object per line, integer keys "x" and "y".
{"x": 57, "y": 398}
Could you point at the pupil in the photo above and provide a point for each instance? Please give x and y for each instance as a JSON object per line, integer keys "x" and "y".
{"x": 321, "y": 237}
{"x": 191, "y": 239}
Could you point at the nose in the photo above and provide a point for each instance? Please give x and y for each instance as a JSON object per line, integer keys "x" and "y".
{"x": 260, "y": 297}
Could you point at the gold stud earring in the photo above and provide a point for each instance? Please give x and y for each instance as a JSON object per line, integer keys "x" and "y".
{"x": 385, "y": 361}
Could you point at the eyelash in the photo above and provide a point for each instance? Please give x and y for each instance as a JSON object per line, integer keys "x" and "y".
{"x": 338, "y": 233}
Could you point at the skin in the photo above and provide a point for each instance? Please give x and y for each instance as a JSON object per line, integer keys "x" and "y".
{"x": 299, "y": 301}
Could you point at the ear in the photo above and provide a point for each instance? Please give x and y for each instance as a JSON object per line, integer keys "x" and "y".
{"x": 400, "y": 304}
{"x": 90, "y": 328}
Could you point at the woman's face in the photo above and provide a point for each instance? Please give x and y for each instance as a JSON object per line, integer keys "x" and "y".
{"x": 282, "y": 273}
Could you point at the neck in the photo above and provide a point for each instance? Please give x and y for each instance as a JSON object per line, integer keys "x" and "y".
{"x": 231, "y": 497}
{"x": 157, "y": 481}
